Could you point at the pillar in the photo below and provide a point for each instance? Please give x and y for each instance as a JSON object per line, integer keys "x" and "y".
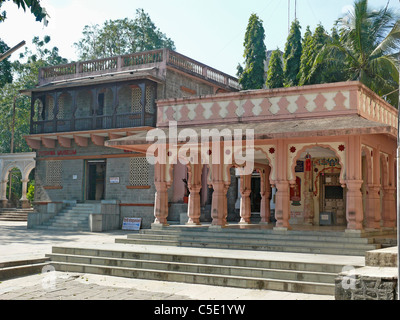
{"x": 354, "y": 202}
{"x": 282, "y": 205}
{"x": 265, "y": 208}
{"x": 24, "y": 190}
{"x": 282, "y": 196}
{"x": 245, "y": 204}
{"x": 389, "y": 211}
{"x": 194, "y": 186}
{"x": 161, "y": 204}
{"x": 218, "y": 204}
{"x": 389, "y": 207}
{"x": 162, "y": 184}
{"x": 3, "y": 190}
{"x": 373, "y": 207}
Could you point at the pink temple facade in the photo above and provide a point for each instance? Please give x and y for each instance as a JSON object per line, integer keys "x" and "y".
{"x": 320, "y": 152}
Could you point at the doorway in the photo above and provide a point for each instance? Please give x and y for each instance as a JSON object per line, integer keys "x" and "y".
{"x": 333, "y": 198}
{"x": 95, "y": 180}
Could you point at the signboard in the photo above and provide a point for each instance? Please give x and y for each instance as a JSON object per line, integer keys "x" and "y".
{"x": 114, "y": 180}
{"x": 131, "y": 224}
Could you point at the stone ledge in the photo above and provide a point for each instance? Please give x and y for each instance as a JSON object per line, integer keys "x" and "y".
{"x": 367, "y": 283}
{"x": 382, "y": 257}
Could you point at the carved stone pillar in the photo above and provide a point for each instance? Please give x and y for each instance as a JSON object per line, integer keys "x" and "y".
{"x": 389, "y": 214}
{"x": 373, "y": 207}
{"x": 245, "y": 204}
{"x": 354, "y": 212}
{"x": 282, "y": 206}
{"x": 161, "y": 204}
{"x": 218, "y": 206}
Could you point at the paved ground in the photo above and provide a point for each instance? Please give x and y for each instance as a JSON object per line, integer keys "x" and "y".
{"x": 17, "y": 243}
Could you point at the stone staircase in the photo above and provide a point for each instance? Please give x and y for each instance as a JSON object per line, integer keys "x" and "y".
{"x": 14, "y": 214}
{"x": 21, "y": 268}
{"x": 71, "y": 218}
{"x": 315, "y": 242}
{"x": 240, "y": 269}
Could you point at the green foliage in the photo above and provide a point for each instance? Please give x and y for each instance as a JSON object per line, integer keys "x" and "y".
{"x": 30, "y": 195}
{"x": 122, "y": 36}
{"x": 25, "y": 71}
{"x": 5, "y": 66}
{"x": 252, "y": 76}
{"x": 34, "y": 5}
{"x": 367, "y": 42}
{"x": 292, "y": 55}
{"x": 323, "y": 71}
{"x": 275, "y": 76}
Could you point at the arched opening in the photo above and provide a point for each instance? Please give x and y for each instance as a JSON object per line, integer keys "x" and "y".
{"x": 317, "y": 196}
{"x": 65, "y": 112}
{"x": 14, "y": 187}
{"x": 84, "y": 110}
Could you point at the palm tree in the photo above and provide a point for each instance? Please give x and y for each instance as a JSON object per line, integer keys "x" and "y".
{"x": 369, "y": 41}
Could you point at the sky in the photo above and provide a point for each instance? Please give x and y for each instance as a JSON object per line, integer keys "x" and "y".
{"x": 209, "y": 31}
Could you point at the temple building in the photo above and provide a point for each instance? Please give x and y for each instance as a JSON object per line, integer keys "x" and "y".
{"x": 314, "y": 155}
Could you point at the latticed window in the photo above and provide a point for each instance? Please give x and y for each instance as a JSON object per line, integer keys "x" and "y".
{"x": 54, "y": 173}
{"x": 50, "y": 108}
{"x": 38, "y": 110}
{"x": 150, "y": 97}
{"x": 136, "y": 100}
{"x": 139, "y": 172}
{"x": 61, "y": 107}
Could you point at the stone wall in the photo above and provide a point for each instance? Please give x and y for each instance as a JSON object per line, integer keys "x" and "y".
{"x": 376, "y": 281}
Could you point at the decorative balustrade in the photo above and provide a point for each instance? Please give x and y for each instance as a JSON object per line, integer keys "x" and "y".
{"x": 334, "y": 99}
{"x": 136, "y": 60}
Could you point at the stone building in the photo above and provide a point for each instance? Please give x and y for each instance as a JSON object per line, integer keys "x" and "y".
{"x": 78, "y": 107}
{"x": 320, "y": 155}
{"x": 328, "y": 151}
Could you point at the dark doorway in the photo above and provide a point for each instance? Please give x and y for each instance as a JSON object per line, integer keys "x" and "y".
{"x": 255, "y": 196}
{"x": 95, "y": 180}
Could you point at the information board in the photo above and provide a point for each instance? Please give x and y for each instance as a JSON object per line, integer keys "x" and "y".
{"x": 131, "y": 224}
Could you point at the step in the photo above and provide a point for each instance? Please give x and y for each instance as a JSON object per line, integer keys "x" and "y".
{"x": 15, "y": 269}
{"x": 199, "y": 278}
{"x": 198, "y": 268}
{"x": 254, "y": 237}
{"x": 293, "y": 276}
{"x": 247, "y": 259}
{"x": 282, "y": 241}
{"x": 358, "y": 251}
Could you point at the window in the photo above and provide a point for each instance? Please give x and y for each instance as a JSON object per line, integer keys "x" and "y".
{"x": 54, "y": 173}
{"x": 139, "y": 172}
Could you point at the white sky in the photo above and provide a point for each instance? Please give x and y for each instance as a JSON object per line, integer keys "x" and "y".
{"x": 210, "y": 31}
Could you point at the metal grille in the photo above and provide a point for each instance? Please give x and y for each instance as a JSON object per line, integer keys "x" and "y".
{"x": 50, "y": 108}
{"x": 136, "y": 97}
{"x": 149, "y": 99}
{"x": 61, "y": 102}
{"x": 139, "y": 172}
{"x": 54, "y": 173}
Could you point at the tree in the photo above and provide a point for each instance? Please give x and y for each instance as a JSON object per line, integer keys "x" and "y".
{"x": 5, "y": 66}
{"x": 292, "y": 55}
{"x": 310, "y": 72}
{"x": 34, "y": 5}
{"x": 121, "y": 36}
{"x": 255, "y": 50}
{"x": 368, "y": 41}
{"x": 26, "y": 71}
{"x": 275, "y": 76}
